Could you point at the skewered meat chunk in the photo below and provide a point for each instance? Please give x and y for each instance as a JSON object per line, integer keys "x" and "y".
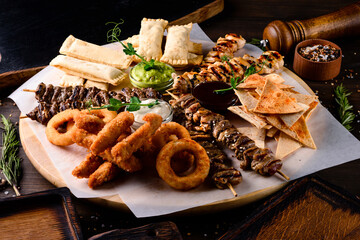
{"x": 251, "y": 157}
{"x": 268, "y": 62}
{"x": 56, "y": 99}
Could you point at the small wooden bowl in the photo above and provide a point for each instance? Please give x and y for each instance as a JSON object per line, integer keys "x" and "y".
{"x": 318, "y": 71}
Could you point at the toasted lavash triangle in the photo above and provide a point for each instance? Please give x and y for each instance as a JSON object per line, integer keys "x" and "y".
{"x": 255, "y": 134}
{"x": 252, "y": 118}
{"x": 256, "y": 80}
{"x": 291, "y": 118}
{"x": 246, "y": 98}
{"x": 286, "y": 145}
{"x": 299, "y": 131}
{"x": 274, "y": 101}
{"x": 310, "y": 100}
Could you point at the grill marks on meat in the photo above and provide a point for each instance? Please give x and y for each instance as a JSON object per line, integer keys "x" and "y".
{"x": 260, "y": 160}
{"x": 54, "y": 99}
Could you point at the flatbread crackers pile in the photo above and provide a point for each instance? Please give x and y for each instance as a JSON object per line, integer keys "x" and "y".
{"x": 274, "y": 109}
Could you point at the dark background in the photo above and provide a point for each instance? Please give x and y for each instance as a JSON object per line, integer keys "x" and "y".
{"x": 31, "y": 33}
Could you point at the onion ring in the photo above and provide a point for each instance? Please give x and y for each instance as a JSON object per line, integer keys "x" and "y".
{"x": 192, "y": 180}
{"x": 52, "y": 133}
{"x": 166, "y": 132}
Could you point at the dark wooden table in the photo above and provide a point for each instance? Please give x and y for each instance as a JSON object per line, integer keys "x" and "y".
{"x": 21, "y": 48}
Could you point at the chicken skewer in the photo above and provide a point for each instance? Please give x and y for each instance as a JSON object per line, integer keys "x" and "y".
{"x": 268, "y": 62}
{"x": 251, "y": 157}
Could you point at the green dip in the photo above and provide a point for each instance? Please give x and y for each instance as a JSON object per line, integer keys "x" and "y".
{"x": 161, "y": 73}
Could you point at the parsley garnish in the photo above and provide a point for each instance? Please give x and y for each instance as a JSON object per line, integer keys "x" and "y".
{"x": 112, "y": 36}
{"x": 234, "y": 81}
{"x": 345, "y": 113}
{"x": 133, "y": 105}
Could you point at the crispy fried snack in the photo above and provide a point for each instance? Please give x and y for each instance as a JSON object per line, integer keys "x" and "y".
{"x": 106, "y": 172}
{"x": 166, "y": 132}
{"x": 108, "y": 136}
{"x": 192, "y": 180}
{"x": 124, "y": 149}
{"x": 88, "y": 166}
{"x": 52, "y": 133}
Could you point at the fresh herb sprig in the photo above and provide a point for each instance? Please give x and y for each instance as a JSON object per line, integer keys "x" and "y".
{"x": 346, "y": 115}
{"x": 234, "y": 81}
{"x": 113, "y": 36}
{"x": 133, "y": 105}
{"x": 9, "y": 161}
{"x": 260, "y": 43}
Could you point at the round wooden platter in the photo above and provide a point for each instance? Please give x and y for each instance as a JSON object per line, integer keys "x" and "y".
{"x": 41, "y": 161}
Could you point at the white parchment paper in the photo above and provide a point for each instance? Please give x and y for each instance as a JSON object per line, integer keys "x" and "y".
{"x": 147, "y": 195}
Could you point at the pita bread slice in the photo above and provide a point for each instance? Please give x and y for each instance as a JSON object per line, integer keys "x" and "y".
{"x": 286, "y": 145}
{"x": 275, "y": 78}
{"x": 252, "y": 118}
{"x": 271, "y": 132}
{"x": 246, "y": 99}
{"x": 291, "y": 118}
{"x": 255, "y": 134}
{"x": 274, "y": 101}
{"x": 299, "y": 131}
{"x": 256, "y": 80}
{"x": 310, "y": 100}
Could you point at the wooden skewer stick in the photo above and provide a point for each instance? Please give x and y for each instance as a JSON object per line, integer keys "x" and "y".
{"x": 283, "y": 175}
{"x": 29, "y": 90}
{"x": 232, "y": 189}
{"x": 22, "y": 117}
{"x": 172, "y": 95}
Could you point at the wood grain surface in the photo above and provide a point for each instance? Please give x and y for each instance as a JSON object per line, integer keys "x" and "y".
{"x": 307, "y": 209}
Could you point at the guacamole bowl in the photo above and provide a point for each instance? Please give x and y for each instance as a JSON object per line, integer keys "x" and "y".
{"x": 158, "y": 77}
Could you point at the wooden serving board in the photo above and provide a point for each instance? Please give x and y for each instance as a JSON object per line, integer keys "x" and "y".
{"x": 41, "y": 161}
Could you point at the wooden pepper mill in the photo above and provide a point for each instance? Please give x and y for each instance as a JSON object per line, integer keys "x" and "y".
{"x": 283, "y": 36}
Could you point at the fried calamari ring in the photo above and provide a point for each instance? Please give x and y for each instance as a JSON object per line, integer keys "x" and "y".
{"x": 166, "y": 133}
{"x": 192, "y": 180}
{"x": 61, "y": 138}
{"x": 88, "y": 122}
{"x": 103, "y": 114}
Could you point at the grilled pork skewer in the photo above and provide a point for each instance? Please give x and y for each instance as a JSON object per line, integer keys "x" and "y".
{"x": 251, "y": 157}
{"x": 268, "y": 62}
{"x": 54, "y": 99}
{"x": 221, "y": 175}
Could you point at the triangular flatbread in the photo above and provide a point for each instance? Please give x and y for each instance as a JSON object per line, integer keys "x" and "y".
{"x": 246, "y": 99}
{"x": 286, "y": 145}
{"x": 274, "y": 101}
{"x": 252, "y": 118}
{"x": 255, "y": 134}
{"x": 299, "y": 131}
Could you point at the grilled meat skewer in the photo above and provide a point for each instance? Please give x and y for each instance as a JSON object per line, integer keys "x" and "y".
{"x": 268, "y": 62}
{"x": 251, "y": 157}
{"x": 54, "y": 99}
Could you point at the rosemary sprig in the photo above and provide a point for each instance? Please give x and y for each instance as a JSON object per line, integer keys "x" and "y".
{"x": 112, "y": 36}
{"x": 134, "y": 105}
{"x": 9, "y": 161}
{"x": 234, "y": 81}
{"x": 346, "y": 116}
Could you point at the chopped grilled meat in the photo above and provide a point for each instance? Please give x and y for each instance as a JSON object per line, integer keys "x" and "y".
{"x": 56, "y": 99}
{"x": 251, "y": 157}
